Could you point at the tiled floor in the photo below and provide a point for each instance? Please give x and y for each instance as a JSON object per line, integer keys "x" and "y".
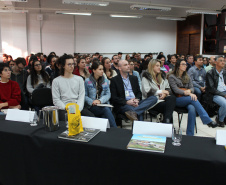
{"x": 203, "y": 130}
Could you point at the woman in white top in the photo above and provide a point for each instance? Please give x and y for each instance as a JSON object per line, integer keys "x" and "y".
{"x": 108, "y": 72}
{"x": 154, "y": 82}
{"x": 38, "y": 77}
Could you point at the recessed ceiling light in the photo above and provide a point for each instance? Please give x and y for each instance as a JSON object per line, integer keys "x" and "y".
{"x": 89, "y": 3}
{"x": 203, "y": 12}
{"x": 73, "y": 13}
{"x": 171, "y": 18}
{"x": 143, "y": 7}
{"x": 13, "y": 11}
{"x": 125, "y": 16}
{"x": 15, "y": 0}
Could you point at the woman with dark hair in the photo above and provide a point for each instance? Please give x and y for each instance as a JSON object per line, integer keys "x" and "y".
{"x": 11, "y": 63}
{"x": 31, "y": 59}
{"x": 154, "y": 82}
{"x": 182, "y": 86}
{"x": 81, "y": 69}
{"x": 97, "y": 92}
{"x": 108, "y": 72}
{"x": 127, "y": 57}
{"x": 10, "y": 94}
{"x": 38, "y": 77}
{"x": 162, "y": 60}
{"x": 52, "y": 53}
{"x": 57, "y": 67}
{"x": 50, "y": 69}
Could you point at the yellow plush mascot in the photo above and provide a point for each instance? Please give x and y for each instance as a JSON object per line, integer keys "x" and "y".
{"x": 74, "y": 119}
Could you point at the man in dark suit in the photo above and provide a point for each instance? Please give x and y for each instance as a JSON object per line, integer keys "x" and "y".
{"x": 126, "y": 95}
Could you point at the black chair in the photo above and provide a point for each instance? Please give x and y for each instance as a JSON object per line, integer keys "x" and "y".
{"x": 42, "y": 97}
{"x": 180, "y": 111}
{"x": 152, "y": 114}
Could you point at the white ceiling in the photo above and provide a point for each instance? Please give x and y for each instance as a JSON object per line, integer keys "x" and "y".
{"x": 179, "y": 7}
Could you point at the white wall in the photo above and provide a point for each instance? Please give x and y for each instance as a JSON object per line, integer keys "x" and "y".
{"x": 97, "y": 33}
{"x": 13, "y": 33}
{"x": 105, "y": 34}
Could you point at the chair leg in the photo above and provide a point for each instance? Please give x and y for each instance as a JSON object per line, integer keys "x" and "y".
{"x": 118, "y": 122}
{"x": 180, "y": 118}
{"x": 195, "y": 127}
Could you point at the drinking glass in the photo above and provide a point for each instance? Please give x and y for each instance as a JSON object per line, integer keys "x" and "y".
{"x": 176, "y": 136}
{"x": 66, "y": 120}
{"x": 33, "y": 118}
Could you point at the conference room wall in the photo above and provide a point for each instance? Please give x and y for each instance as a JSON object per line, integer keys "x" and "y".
{"x": 88, "y": 34}
{"x": 13, "y": 34}
{"x": 105, "y": 34}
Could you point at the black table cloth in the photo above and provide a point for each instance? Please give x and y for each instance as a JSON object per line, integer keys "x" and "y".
{"x": 31, "y": 155}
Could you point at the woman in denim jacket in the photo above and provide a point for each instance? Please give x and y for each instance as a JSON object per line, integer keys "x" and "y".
{"x": 97, "y": 92}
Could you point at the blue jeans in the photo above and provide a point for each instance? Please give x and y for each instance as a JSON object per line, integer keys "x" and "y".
{"x": 193, "y": 107}
{"x": 221, "y": 101}
{"x": 104, "y": 112}
{"x": 198, "y": 93}
{"x": 143, "y": 105}
{"x": 1, "y": 113}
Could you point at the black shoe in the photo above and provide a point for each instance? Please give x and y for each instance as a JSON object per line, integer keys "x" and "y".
{"x": 220, "y": 124}
{"x": 212, "y": 124}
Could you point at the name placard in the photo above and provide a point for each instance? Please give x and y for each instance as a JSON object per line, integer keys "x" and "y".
{"x": 221, "y": 137}
{"x": 152, "y": 128}
{"x": 97, "y": 123}
{"x": 19, "y": 115}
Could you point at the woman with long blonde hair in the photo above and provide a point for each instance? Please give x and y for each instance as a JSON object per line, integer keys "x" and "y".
{"x": 154, "y": 82}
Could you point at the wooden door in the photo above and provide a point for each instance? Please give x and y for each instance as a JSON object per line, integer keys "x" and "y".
{"x": 194, "y": 44}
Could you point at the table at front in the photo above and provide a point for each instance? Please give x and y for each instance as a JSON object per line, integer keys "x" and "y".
{"x": 31, "y": 155}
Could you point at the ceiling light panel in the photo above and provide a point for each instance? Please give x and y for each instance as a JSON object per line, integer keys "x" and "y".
{"x": 13, "y": 11}
{"x": 150, "y": 8}
{"x": 15, "y": 0}
{"x": 171, "y": 18}
{"x": 74, "y": 13}
{"x": 125, "y": 16}
{"x": 89, "y": 3}
{"x": 203, "y": 12}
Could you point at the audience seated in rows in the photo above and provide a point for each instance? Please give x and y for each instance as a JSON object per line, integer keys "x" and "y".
{"x": 125, "y": 87}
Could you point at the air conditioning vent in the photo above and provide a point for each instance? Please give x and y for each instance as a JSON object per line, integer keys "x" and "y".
{"x": 150, "y": 8}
